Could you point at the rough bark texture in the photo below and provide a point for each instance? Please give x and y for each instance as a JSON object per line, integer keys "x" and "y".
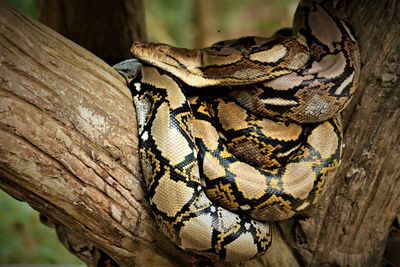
{"x": 68, "y": 147}
{"x": 68, "y": 143}
{"x": 350, "y": 226}
{"x": 106, "y": 28}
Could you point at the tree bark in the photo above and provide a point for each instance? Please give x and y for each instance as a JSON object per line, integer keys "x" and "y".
{"x": 68, "y": 147}
{"x": 350, "y": 225}
{"x": 106, "y": 28}
{"x": 68, "y": 143}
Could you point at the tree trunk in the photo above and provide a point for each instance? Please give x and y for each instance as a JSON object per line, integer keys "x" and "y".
{"x": 68, "y": 147}
{"x": 351, "y": 225}
{"x": 106, "y": 28}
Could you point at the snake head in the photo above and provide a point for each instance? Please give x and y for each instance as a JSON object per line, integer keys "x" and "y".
{"x": 186, "y": 64}
{"x": 233, "y": 62}
{"x": 129, "y": 69}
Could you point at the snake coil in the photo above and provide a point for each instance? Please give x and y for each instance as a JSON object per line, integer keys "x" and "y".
{"x": 242, "y": 132}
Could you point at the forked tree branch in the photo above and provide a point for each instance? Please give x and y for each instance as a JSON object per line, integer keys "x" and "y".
{"x": 69, "y": 147}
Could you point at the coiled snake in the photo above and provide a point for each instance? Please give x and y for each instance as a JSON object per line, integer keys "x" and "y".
{"x": 242, "y": 132}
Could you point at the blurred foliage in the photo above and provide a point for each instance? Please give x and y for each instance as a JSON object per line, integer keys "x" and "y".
{"x": 27, "y": 7}
{"x": 172, "y": 21}
{"x": 23, "y": 238}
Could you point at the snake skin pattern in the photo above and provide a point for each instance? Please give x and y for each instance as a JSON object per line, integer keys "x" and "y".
{"x": 243, "y": 132}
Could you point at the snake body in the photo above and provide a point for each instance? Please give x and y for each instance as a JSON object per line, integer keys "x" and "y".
{"x": 242, "y": 132}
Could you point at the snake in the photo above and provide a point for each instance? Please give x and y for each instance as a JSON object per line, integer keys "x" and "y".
{"x": 242, "y": 133}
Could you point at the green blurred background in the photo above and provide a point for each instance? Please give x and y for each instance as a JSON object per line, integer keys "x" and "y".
{"x": 23, "y": 239}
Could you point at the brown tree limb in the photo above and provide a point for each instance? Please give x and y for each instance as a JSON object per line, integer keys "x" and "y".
{"x": 68, "y": 143}
{"x": 68, "y": 147}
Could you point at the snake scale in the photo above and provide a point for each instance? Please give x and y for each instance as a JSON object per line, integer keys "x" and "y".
{"x": 242, "y": 132}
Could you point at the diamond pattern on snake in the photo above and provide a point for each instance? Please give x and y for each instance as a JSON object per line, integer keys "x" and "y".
{"x": 242, "y": 133}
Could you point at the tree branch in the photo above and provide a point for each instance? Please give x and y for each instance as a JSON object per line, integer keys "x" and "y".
{"x": 68, "y": 147}
{"x": 68, "y": 142}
